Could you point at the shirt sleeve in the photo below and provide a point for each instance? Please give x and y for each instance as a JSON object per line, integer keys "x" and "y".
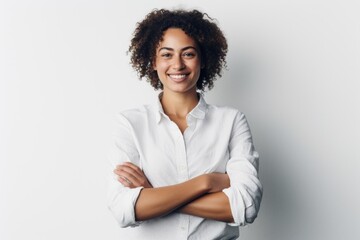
{"x": 121, "y": 200}
{"x": 245, "y": 191}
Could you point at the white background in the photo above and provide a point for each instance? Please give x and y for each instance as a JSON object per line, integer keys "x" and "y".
{"x": 293, "y": 68}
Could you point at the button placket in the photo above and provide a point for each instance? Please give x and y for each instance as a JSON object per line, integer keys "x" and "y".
{"x": 180, "y": 151}
{"x": 181, "y": 160}
{"x": 183, "y": 176}
{"x": 191, "y": 121}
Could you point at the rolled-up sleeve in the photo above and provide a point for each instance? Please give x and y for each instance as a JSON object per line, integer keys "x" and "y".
{"x": 121, "y": 200}
{"x": 245, "y": 191}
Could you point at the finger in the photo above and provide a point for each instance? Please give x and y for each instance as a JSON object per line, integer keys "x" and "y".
{"x": 124, "y": 182}
{"x": 123, "y": 173}
{"x": 130, "y": 164}
{"x": 127, "y": 176}
{"x": 133, "y": 166}
{"x": 136, "y": 172}
{"x": 138, "y": 182}
{"x": 131, "y": 171}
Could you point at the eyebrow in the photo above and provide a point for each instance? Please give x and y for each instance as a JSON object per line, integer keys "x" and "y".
{"x": 183, "y": 49}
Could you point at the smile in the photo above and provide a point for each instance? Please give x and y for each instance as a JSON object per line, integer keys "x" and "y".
{"x": 178, "y": 77}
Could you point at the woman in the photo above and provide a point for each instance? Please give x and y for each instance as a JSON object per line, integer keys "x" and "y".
{"x": 184, "y": 169}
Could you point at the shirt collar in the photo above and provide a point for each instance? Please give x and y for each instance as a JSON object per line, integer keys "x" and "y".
{"x": 198, "y": 112}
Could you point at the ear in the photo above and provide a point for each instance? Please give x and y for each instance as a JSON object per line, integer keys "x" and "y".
{"x": 154, "y": 65}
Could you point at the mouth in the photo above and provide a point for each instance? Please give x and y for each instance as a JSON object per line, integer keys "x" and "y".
{"x": 178, "y": 77}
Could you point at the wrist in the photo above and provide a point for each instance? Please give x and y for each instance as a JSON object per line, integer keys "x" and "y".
{"x": 204, "y": 183}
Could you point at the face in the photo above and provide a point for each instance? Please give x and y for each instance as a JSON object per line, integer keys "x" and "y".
{"x": 177, "y": 61}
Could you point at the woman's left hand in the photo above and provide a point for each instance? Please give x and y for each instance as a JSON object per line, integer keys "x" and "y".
{"x": 131, "y": 176}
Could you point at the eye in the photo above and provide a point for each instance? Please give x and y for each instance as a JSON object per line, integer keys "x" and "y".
{"x": 165, "y": 55}
{"x": 189, "y": 54}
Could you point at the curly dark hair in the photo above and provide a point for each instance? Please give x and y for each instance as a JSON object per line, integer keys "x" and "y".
{"x": 198, "y": 25}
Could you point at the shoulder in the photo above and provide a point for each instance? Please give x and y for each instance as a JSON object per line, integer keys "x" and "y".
{"x": 131, "y": 112}
{"x": 227, "y": 116}
{"x": 225, "y": 111}
{"x": 135, "y": 115}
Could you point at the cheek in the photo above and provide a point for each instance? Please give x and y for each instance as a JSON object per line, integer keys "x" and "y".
{"x": 196, "y": 67}
{"x": 161, "y": 69}
{"x": 161, "y": 66}
{"x": 196, "y": 64}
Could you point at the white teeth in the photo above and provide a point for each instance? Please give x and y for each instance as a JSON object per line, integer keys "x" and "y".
{"x": 178, "y": 76}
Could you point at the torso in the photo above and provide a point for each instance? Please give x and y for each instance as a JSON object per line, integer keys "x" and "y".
{"x": 168, "y": 156}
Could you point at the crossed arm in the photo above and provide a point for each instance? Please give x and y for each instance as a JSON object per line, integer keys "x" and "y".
{"x": 201, "y": 196}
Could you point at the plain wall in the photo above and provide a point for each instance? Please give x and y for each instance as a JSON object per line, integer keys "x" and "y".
{"x": 293, "y": 69}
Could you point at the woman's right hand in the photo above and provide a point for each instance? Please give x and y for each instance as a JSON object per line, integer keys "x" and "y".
{"x": 130, "y": 175}
{"x": 217, "y": 181}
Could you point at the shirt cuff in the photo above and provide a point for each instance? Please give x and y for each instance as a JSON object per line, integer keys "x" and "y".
{"x": 123, "y": 207}
{"x": 237, "y": 207}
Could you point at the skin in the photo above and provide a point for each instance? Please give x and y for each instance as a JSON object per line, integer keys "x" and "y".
{"x": 178, "y": 64}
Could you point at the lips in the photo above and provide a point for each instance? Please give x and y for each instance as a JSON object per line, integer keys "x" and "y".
{"x": 178, "y": 77}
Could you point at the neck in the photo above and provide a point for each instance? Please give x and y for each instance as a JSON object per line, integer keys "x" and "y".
{"x": 179, "y": 104}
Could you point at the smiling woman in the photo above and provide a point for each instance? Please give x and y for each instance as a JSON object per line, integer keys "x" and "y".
{"x": 174, "y": 175}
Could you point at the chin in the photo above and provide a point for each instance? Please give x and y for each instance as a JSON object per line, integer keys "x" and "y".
{"x": 180, "y": 89}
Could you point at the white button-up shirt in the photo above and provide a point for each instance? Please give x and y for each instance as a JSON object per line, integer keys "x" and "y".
{"x": 217, "y": 139}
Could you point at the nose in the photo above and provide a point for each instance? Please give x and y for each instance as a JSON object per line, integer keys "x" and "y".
{"x": 178, "y": 63}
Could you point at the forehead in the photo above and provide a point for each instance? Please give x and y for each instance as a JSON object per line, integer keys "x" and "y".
{"x": 176, "y": 37}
